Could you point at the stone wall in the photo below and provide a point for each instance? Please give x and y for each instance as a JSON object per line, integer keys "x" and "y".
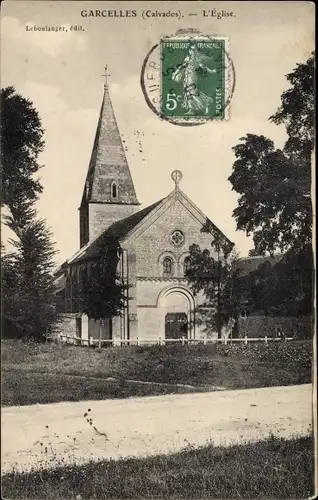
{"x": 95, "y": 331}
{"x": 101, "y": 216}
{"x": 261, "y": 326}
{"x": 67, "y": 324}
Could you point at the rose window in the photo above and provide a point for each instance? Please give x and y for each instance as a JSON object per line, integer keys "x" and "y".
{"x": 177, "y": 238}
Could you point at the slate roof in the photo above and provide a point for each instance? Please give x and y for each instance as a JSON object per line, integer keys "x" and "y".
{"x": 108, "y": 162}
{"x": 248, "y": 265}
{"x": 59, "y": 283}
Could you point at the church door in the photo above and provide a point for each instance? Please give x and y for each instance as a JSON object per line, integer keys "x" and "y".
{"x": 176, "y": 325}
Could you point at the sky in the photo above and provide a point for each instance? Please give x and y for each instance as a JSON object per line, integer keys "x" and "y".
{"x": 61, "y": 72}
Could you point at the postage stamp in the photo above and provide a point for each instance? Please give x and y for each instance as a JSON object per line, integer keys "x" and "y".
{"x": 193, "y": 74}
{"x": 189, "y": 79}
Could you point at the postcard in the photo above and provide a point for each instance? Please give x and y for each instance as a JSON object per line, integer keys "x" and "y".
{"x": 158, "y": 332}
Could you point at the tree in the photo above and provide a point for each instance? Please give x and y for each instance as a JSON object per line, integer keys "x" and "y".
{"x": 22, "y": 142}
{"x": 103, "y": 294}
{"x": 12, "y": 298}
{"x": 292, "y": 287}
{"x": 27, "y": 283}
{"x": 214, "y": 276}
{"x": 273, "y": 184}
{"x": 257, "y": 289}
{"x": 275, "y": 202}
{"x": 252, "y": 253}
{"x": 28, "y": 286}
{"x": 289, "y": 285}
{"x": 283, "y": 288}
{"x": 297, "y": 109}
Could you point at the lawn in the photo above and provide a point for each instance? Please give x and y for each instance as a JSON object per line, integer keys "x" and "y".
{"x": 44, "y": 373}
{"x": 273, "y": 468}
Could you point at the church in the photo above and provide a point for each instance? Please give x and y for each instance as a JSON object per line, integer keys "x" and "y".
{"x": 154, "y": 248}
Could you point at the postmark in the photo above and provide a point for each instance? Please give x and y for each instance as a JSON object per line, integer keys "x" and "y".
{"x": 189, "y": 79}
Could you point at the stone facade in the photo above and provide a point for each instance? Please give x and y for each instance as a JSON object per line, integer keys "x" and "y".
{"x": 102, "y": 215}
{"x": 153, "y": 292}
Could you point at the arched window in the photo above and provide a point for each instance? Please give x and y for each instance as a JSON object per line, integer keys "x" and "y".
{"x": 114, "y": 190}
{"x": 186, "y": 264}
{"x": 167, "y": 265}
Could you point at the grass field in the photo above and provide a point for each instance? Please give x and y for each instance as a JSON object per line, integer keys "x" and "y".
{"x": 274, "y": 468}
{"x": 44, "y": 373}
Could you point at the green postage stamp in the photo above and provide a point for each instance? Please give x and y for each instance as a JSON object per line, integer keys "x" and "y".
{"x": 194, "y": 78}
{"x": 188, "y": 78}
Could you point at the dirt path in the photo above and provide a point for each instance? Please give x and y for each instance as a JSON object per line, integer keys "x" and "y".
{"x": 149, "y": 425}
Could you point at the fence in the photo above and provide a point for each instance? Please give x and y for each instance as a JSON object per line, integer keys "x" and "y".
{"x": 67, "y": 339}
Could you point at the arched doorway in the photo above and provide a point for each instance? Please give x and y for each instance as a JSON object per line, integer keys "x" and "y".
{"x": 177, "y": 312}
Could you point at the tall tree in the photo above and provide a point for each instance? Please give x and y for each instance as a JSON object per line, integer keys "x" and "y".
{"x": 21, "y": 144}
{"x": 273, "y": 184}
{"x": 28, "y": 287}
{"x": 297, "y": 109}
{"x": 28, "y": 290}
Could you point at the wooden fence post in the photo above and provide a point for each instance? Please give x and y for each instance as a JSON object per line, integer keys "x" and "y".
{"x": 265, "y": 339}
{"x": 137, "y": 341}
{"x": 159, "y": 341}
{"x": 204, "y": 339}
{"x": 245, "y": 339}
{"x": 225, "y": 340}
{"x": 182, "y": 341}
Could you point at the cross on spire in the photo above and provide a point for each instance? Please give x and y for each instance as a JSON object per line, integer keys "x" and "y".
{"x": 106, "y": 75}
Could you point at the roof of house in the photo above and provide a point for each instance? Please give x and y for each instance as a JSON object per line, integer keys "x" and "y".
{"x": 59, "y": 282}
{"x": 248, "y": 265}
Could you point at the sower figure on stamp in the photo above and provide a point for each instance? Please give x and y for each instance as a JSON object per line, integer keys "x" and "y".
{"x": 193, "y": 99}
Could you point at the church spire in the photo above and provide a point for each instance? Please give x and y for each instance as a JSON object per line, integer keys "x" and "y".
{"x": 108, "y": 181}
{"x": 108, "y": 161}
